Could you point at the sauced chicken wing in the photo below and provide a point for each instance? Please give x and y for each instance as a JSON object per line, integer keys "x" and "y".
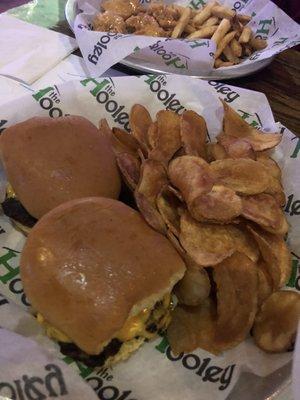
{"x": 166, "y": 15}
{"x": 144, "y": 24}
{"x": 109, "y": 22}
{"x": 123, "y": 8}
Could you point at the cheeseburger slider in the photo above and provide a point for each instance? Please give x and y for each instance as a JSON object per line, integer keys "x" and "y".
{"x": 50, "y": 161}
{"x": 99, "y": 278}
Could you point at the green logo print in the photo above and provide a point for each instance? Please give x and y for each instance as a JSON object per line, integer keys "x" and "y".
{"x": 49, "y": 99}
{"x": 98, "y": 86}
{"x": 41, "y": 93}
{"x": 252, "y": 119}
{"x": 162, "y": 346}
{"x": 294, "y": 281}
{"x": 104, "y": 91}
{"x": 264, "y": 26}
{"x": 83, "y": 369}
{"x": 196, "y": 4}
{"x": 296, "y": 149}
{"x": 10, "y": 272}
{"x": 11, "y": 276}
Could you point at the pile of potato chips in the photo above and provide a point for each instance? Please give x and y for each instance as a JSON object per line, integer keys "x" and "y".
{"x": 220, "y": 204}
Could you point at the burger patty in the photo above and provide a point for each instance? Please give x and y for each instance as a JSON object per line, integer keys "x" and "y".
{"x": 71, "y": 350}
{"x": 113, "y": 347}
{"x": 14, "y": 209}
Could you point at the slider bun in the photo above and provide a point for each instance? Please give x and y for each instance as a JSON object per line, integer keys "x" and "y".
{"x": 50, "y": 161}
{"x": 89, "y": 264}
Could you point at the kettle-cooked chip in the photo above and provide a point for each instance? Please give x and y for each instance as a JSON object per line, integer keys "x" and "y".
{"x": 193, "y": 327}
{"x": 215, "y": 151}
{"x": 176, "y": 193}
{"x": 265, "y": 284}
{"x": 168, "y": 205}
{"x": 140, "y": 121}
{"x": 149, "y": 212}
{"x": 175, "y": 242}
{"x": 191, "y": 175}
{"x": 129, "y": 166}
{"x": 243, "y": 175}
{"x": 244, "y": 242}
{"x": 275, "y": 253}
{"x": 235, "y": 125}
{"x": 201, "y": 326}
{"x": 220, "y": 205}
{"x": 123, "y": 142}
{"x": 152, "y": 135}
{"x": 276, "y": 323}
{"x": 264, "y": 210}
{"x": 194, "y": 288}
{"x": 168, "y": 139}
{"x": 207, "y": 244}
{"x": 153, "y": 177}
{"x": 272, "y": 166}
{"x": 275, "y": 188}
{"x": 236, "y": 147}
{"x": 236, "y": 280}
{"x": 193, "y": 133}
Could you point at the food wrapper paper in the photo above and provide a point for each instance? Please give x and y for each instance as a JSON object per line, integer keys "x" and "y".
{"x": 28, "y": 51}
{"x": 153, "y": 372}
{"x": 101, "y": 50}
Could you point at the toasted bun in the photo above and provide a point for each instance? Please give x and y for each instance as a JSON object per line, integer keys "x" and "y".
{"x": 91, "y": 263}
{"x": 50, "y": 161}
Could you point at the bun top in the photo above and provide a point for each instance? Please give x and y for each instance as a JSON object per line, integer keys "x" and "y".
{"x": 50, "y": 161}
{"x": 91, "y": 263}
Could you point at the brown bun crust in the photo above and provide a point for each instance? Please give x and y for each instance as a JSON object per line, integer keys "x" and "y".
{"x": 91, "y": 263}
{"x": 50, "y": 161}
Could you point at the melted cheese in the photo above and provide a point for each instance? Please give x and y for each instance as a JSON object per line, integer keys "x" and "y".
{"x": 133, "y": 327}
{"x": 136, "y": 326}
{"x": 52, "y": 332}
{"x": 10, "y": 191}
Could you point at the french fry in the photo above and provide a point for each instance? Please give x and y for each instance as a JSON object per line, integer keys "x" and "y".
{"x": 210, "y": 22}
{"x": 228, "y": 53}
{"x": 247, "y": 51}
{"x": 244, "y": 19}
{"x": 258, "y": 44}
{"x": 179, "y": 8}
{"x": 206, "y": 32}
{"x": 203, "y": 14}
{"x": 221, "y": 31}
{"x": 236, "y": 48}
{"x": 245, "y": 35}
{"x": 223, "y": 43}
{"x": 189, "y": 29}
{"x": 182, "y": 22}
{"x": 219, "y": 63}
{"x": 222, "y": 12}
{"x": 237, "y": 26}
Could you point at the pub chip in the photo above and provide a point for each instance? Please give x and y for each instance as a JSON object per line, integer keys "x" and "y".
{"x": 220, "y": 205}
{"x": 99, "y": 279}
{"x": 233, "y": 37}
{"x": 52, "y": 160}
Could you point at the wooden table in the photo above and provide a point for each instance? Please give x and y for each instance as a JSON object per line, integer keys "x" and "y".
{"x": 280, "y": 81}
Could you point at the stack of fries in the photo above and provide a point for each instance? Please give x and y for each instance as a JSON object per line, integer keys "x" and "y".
{"x": 234, "y": 39}
{"x": 220, "y": 204}
{"x": 228, "y": 29}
